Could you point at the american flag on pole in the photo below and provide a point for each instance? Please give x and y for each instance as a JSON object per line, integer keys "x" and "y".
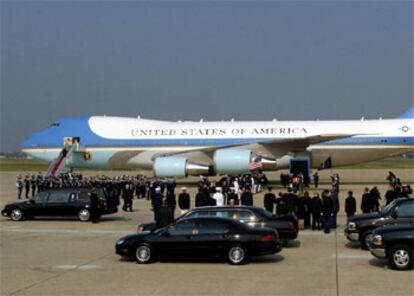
{"x": 256, "y": 164}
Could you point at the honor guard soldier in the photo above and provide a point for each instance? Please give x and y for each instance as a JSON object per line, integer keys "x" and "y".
{"x": 33, "y": 185}
{"x": 26, "y": 186}
{"x": 19, "y": 186}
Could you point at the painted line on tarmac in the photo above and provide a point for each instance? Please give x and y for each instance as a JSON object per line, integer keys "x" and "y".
{"x": 73, "y": 267}
{"x": 66, "y": 231}
{"x": 352, "y": 256}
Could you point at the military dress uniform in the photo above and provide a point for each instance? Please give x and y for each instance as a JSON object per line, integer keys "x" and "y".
{"x": 19, "y": 186}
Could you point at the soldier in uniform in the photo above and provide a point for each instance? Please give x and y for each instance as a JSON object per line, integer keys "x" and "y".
{"x": 19, "y": 185}
{"x": 33, "y": 185}
{"x": 26, "y": 186}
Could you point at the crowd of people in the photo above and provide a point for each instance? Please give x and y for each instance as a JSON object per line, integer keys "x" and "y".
{"x": 315, "y": 211}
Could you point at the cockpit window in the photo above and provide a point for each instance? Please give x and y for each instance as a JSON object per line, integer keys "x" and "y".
{"x": 55, "y": 124}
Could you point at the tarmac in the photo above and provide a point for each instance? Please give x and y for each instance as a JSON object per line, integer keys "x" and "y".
{"x": 69, "y": 257}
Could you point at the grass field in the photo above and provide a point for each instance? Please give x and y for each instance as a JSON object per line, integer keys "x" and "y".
{"x": 31, "y": 165}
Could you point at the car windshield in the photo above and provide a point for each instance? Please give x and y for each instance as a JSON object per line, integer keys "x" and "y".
{"x": 387, "y": 209}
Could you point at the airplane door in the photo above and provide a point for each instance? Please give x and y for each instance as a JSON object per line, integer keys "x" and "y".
{"x": 300, "y": 165}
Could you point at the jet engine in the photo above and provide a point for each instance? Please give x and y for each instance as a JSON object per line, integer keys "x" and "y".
{"x": 178, "y": 167}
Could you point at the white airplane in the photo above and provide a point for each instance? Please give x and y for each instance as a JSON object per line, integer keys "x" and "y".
{"x": 179, "y": 149}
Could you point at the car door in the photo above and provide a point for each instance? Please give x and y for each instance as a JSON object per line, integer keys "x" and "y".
{"x": 210, "y": 238}
{"x": 73, "y": 205}
{"x": 55, "y": 205}
{"x": 38, "y": 204}
{"x": 175, "y": 240}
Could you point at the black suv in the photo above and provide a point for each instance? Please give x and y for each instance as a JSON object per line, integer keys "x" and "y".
{"x": 60, "y": 203}
{"x": 286, "y": 225}
{"x": 360, "y": 227}
{"x": 395, "y": 243}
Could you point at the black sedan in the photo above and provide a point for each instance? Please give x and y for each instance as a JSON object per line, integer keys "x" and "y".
{"x": 200, "y": 237}
{"x": 68, "y": 202}
{"x": 286, "y": 225}
{"x": 395, "y": 243}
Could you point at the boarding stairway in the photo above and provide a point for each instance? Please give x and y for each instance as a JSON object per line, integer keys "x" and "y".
{"x": 59, "y": 165}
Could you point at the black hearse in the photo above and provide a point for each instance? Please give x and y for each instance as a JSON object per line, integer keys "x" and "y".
{"x": 200, "y": 237}
{"x": 65, "y": 202}
{"x": 361, "y": 227}
{"x": 285, "y": 225}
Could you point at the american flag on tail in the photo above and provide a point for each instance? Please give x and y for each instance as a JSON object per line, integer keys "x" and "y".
{"x": 256, "y": 164}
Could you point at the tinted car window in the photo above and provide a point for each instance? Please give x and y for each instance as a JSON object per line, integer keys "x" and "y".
{"x": 41, "y": 197}
{"x": 58, "y": 197}
{"x": 182, "y": 228}
{"x": 406, "y": 210}
{"x": 213, "y": 227}
{"x": 247, "y": 216}
{"x": 198, "y": 214}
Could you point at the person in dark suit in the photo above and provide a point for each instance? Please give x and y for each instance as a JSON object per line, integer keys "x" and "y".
{"x": 247, "y": 197}
{"x": 232, "y": 197}
{"x": 156, "y": 202}
{"x": 350, "y": 205}
{"x": 327, "y": 211}
{"x": 171, "y": 202}
{"x": 390, "y": 195}
{"x": 269, "y": 200}
{"x": 200, "y": 198}
{"x": 184, "y": 201}
{"x": 164, "y": 214}
{"x": 94, "y": 206}
{"x": 290, "y": 200}
{"x": 26, "y": 186}
{"x": 316, "y": 179}
{"x": 366, "y": 201}
{"x": 316, "y": 210}
{"x": 335, "y": 200}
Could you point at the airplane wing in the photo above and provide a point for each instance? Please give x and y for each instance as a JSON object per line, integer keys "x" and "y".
{"x": 275, "y": 147}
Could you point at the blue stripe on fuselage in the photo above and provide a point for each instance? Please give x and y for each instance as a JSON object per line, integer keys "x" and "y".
{"x": 52, "y": 137}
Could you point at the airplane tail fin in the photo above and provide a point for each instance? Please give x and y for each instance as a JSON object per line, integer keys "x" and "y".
{"x": 408, "y": 114}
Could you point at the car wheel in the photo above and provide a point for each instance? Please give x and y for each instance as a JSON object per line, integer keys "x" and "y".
{"x": 366, "y": 238}
{"x": 400, "y": 257}
{"x": 143, "y": 254}
{"x": 236, "y": 255}
{"x": 16, "y": 215}
{"x": 84, "y": 215}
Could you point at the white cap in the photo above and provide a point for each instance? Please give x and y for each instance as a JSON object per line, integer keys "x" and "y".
{"x": 218, "y": 188}
{"x": 183, "y": 188}
{"x": 158, "y": 189}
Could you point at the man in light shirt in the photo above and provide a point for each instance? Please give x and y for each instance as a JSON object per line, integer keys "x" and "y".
{"x": 219, "y": 197}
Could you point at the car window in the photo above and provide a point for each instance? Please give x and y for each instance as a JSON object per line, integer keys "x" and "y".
{"x": 41, "y": 196}
{"x": 182, "y": 228}
{"x": 197, "y": 214}
{"x": 58, "y": 197}
{"x": 406, "y": 210}
{"x": 222, "y": 213}
{"x": 212, "y": 227}
{"x": 247, "y": 216}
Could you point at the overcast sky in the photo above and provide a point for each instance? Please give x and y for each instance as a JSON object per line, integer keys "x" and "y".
{"x": 212, "y": 60}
